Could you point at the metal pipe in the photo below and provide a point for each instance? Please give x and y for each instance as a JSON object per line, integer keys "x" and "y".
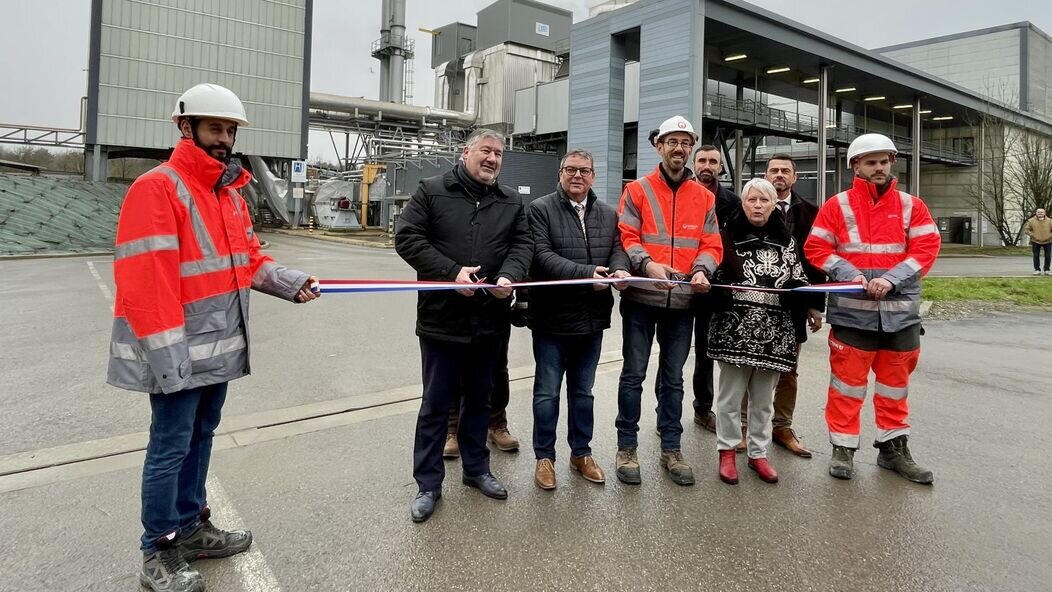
{"x": 917, "y": 141}
{"x": 823, "y": 115}
{"x": 396, "y": 59}
{"x": 385, "y": 63}
{"x": 980, "y": 205}
{"x": 350, "y": 108}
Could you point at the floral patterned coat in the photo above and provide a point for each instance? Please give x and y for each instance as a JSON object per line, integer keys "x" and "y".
{"x": 750, "y": 327}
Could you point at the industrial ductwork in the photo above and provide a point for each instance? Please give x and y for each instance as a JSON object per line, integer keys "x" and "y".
{"x": 325, "y": 106}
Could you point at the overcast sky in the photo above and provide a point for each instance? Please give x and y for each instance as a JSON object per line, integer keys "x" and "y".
{"x": 43, "y": 50}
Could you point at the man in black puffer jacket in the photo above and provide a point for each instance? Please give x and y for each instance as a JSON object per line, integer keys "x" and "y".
{"x": 457, "y": 227}
{"x": 575, "y": 237}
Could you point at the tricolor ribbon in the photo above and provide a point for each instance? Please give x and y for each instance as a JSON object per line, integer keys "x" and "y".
{"x": 353, "y": 286}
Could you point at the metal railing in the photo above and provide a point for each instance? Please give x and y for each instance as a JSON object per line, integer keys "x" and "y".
{"x": 779, "y": 122}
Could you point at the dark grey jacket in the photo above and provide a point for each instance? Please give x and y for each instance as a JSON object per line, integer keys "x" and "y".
{"x": 563, "y": 251}
{"x": 444, "y": 228}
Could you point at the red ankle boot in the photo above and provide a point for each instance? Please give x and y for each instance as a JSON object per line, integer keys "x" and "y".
{"x": 764, "y": 469}
{"x": 728, "y": 468}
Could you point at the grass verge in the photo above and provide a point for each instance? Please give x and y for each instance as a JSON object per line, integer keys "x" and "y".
{"x": 1024, "y": 291}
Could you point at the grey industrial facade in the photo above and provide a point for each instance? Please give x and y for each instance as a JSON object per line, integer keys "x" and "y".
{"x": 681, "y": 46}
{"x": 143, "y": 54}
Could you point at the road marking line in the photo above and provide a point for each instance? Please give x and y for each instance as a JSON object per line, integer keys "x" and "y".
{"x": 101, "y": 284}
{"x": 255, "y": 572}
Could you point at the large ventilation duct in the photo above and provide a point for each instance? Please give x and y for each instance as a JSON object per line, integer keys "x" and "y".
{"x": 336, "y": 108}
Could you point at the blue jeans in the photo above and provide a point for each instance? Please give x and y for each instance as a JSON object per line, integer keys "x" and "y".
{"x": 674, "y": 329}
{"x": 576, "y": 356}
{"x": 173, "y": 475}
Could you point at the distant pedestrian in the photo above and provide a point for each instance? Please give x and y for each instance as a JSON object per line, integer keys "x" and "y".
{"x": 1039, "y": 229}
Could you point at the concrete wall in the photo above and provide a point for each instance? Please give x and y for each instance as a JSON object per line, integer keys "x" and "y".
{"x": 1039, "y": 73}
{"x": 988, "y": 64}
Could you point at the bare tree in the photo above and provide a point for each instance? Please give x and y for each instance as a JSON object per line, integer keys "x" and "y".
{"x": 1001, "y": 200}
{"x": 1032, "y": 168}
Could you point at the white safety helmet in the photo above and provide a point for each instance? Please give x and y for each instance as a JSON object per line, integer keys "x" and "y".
{"x": 210, "y": 100}
{"x": 868, "y": 144}
{"x": 676, "y": 123}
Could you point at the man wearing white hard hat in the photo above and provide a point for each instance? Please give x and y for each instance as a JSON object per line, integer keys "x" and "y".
{"x": 185, "y": 260}
{"x": 886, "y": 240}
{"x": 669, "y": 231}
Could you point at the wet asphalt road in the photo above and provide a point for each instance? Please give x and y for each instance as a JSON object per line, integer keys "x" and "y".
{"x": 327, "y": 498}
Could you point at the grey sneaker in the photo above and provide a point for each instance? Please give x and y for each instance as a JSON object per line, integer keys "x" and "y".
{"x": 165, "y": 570}
{"x": 895, "y": 456}
{"x": 842, "y": 464}
{"x": 678, "y": 469}
{"x": 628, "y": 466}
{"x": 209, "y": 542}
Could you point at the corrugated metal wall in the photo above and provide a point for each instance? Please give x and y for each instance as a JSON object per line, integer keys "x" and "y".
{"x": 153, "y": 50}
{"x": 508, "y": 68}
{"x": 521, "y": 170}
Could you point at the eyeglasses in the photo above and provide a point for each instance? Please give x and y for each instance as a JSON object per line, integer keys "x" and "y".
{"x": 684, "y": 143}
{"x": 572, "y": 171}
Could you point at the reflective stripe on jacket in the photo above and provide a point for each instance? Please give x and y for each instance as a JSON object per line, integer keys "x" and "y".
{"x": 893, "y": 237}
{"x": 677, "y": 228}
{"x": 186, "y": 256}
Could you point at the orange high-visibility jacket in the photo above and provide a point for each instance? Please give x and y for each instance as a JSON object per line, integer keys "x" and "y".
{"x": 893, "y": 237}
{"x": 676, "y": 228}
{"x": 185, "y": 259}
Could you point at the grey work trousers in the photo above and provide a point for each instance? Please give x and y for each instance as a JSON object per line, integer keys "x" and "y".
{"x": 756, "y": 383}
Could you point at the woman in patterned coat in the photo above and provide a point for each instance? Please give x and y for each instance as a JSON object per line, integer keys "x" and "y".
{"x": 751, "y": 334}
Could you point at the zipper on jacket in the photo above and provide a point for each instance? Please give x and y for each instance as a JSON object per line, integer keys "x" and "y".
{"x": 672, "y": 240}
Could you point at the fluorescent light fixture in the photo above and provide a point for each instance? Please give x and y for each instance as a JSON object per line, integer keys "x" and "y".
{"x": 734, "y": 57}
{"x": 880, "y": 98}
{"x": 845, "y": 89}
{"x": 902, "y": 107}
{"x": 830, "y": 126}
{"x": 811, "y": 80}
{"x": 942, "y": 118}
{"x": 778, "y": 70}
{"x": 924, "y": 111}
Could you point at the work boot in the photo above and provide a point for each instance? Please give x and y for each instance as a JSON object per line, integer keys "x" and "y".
{"x": 707, "y": 421}
{"x": 209, "y": 542}
{"x": 786, "y": 438}
{"x": 165, "y": 570}
{"x": 544, "y": 474}
{"x": 842, "y": 464}
{"x": 452, "y": 449}
{"x": 627, "y": 466}
{"x": 895, "y": 455}
{"x": 588, "y": 468}
{"x": 502, "y": 439}
{"x": 728, "y": 467}
{"x": 678, "y": 469}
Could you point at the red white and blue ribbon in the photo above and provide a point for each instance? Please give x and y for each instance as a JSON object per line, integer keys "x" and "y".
{"x": 356, "y": 286}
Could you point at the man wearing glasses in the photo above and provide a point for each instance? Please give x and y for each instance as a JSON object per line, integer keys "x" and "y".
{"x": 669, "y": 231}
{"x": 575, "y": 237}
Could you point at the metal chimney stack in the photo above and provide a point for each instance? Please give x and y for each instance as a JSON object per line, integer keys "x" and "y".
{"x": 392, "y": 50}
